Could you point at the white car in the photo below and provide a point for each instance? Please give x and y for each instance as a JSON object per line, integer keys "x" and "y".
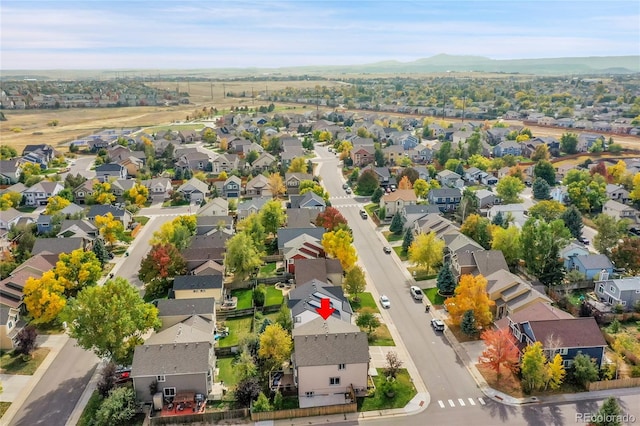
{"x": 416, "y": 292}
{"x": 385, "y": 302}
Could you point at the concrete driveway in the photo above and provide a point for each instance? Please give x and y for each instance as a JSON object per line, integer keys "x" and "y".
{"x": 12, "y": 385}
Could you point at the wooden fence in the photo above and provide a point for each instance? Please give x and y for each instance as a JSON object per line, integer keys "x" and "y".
{"x": 605, "y": 385}
{"x": 305, "y": 412}
{"x": 204, "y": 418}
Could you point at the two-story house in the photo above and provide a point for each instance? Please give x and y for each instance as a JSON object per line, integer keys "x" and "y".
{"x": 292, "y": 181}
{"x": 232, "y": 187}
{"x": 198, "y": 287}
{"x": 620, "y": 211}
{"x": 108, "y": 171}
{"x": 447, "y": 199}
{"x": 395, "y": 202}
{"x": 449, "y": 179}
{"x": 620, "y": 291}
{"x": 194, "y": 190}
{"x": 39, "y": 194}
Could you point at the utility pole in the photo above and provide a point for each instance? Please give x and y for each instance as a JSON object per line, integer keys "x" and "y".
{"x": 211, "y": 92}
{"x": 224, "y": 92}
{"x": 464, "y": 100}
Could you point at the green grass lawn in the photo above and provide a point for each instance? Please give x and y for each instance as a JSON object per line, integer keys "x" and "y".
{"x": 370, "y": 208}
{"x": 89, "y": 412}
{"x": 274, "y": 296}
{"x": 4, "y": 406}
{"x": 245, "y": 297}
{"x": 576, "y": 297}
{"x": 365, "y": 301}
{"x": 382, "y": 337}
{"x": 434, "y": 297}
{"x": 12, "y": 363}
{"x": 405, "y": 391}
{"x": 141, "y": 219}
{"x": 420, "y": 274}
{"x": 401, "y": 255}
{"x": 226, "y": 372}
{"x": 391, "y": 237}
{"x": 268, "y": 270}
{"x": 238, "y": 328}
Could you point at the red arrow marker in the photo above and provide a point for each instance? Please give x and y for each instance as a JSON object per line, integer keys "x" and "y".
{"x": 325, "y": 310}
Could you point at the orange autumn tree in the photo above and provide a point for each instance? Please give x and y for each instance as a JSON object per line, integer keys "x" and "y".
{"x": 500, "y": 351}
{"x": 471, "y": 295}
{"x": 405, "y": 183}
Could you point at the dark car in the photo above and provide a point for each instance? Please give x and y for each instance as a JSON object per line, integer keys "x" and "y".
{"x": 363, "y": 214}
{"x": 123, "y": 374}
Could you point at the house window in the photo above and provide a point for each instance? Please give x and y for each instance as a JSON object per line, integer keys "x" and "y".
{"x": 601, "y": 288}
{"x": 161, "y": 379}
{"x": 623, "y": 302}
{"x": 567, "y": 363}
{"x": 309, "y": 394}
{"x": 562, "y": 351}
{"x": 169, "y": 392}
{"x": 612, "y": 289}
{"x": 333, "y": 381}
{"x": 342, "y": 366}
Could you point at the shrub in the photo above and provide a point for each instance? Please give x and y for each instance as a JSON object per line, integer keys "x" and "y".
{"x": 635, "y": 371}
{"x": 259, "y": 295}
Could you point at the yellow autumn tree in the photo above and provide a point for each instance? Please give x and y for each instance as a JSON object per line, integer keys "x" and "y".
{"x": 44, "y": 297}
{"x": 55, "y": 204}
{"x": 78, "y": 269}
{"x": 224, "y": 144}
{"x": 338, "y": 244}
{"x": 223, "y": 175}
{"x": 298, "y": 165}
{"x": 276, "y": 185}
{"x": 635, "y": 192}
{"x": 405, "y": 183}
{"x": 110, "y": 228}
{"x": 471, "y": 295}
{"x": 102, "y": 193}
{"x": 617, "y": 171}
{"x": 137, "y": 195}
{"x": 426, "y": 251}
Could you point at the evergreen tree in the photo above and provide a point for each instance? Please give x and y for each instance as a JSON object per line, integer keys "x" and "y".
{"x": 573, "y": 221}
{"x": 177, "y": 174}
{"x": 446, "y": 282}
{"x": 377, "y": 195}
{"x": 460, "y": 169}
{"x": 100, "y": 251}
{"x": 498, "y": 220}
{"x": 541, "y": 189}
{"x": 408, "y": 240}
{"x": 609, "y": 414}
{"x": 468, "y": 324}
{"x": 397, "y": 224}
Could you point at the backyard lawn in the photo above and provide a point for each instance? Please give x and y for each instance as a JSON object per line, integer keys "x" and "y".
{"x": 226, "y": 372}
{"x": 274, "y": 296}
{"x": 365, "y": 301}
{"x": 238, "y": 328}
{"x": 11, "y": 363}
{"x": 434, "y": 297}
{"x": 382, "y": 337}
{"x": 245, "y": 298}
{"x": 405, "y": 391}
{"x": 268, "y": 270}
{"x": 401, "y": 255}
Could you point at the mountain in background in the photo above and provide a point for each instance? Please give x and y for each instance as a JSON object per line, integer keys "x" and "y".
{"x": 593, "y": 65}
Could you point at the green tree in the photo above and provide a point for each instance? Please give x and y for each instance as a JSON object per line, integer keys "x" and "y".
{"x": 117, "y": 409}
{"x": 533, "y": 368}
{"x": 367, "y": 321}
{"x": 354, "y": 281}
{"x": 610, "y": 230}
{"x": 252, "y": 226}
{"x": 541, "y": 244}
{"x": 118, "y": 304}
{"x": 443, "y": 153}
{"x": 509, "y": 189}
{"x": 377, "y": 195}
{"x": 541, "y": 189}
{"x": 159, "y": 267}
{"x": 77, "y": 270}
{"x": 242, "y": 257}
{"x": 547, "y": 210}
{"x": 499, "y": 220}
{"x": 508, "y": 242}
{"x": 100, "y": 251}
{"x": 474, "y": 144}
{"x": 7, "y": 152}
{"x": 584, "y": 369}
{"x": 478, "y": 229}
{"x": 573, "y": 221}
{"x": 379, "y": 157}
{"x": 261, "y": 404}
{"x": 426, "y": 251}
{"x": 446, "y": 282}
{"x": 298, "y": 165}
{"x": 284, "y": 318}
{"x": 407, "y": 240}
{"x": 627, "y": 255}
{"x": 609, "y": 414}
{"x": 259, "y": 295}
{"x": 468, "y": 205}
{"x": 367, "y": 182}
{"x": 569, "y": 143}
{"x": 275, "y": 346}
{"x": 252, "y": 156}
{"x": 245, "y": 366}
{"x": 397, "y": 224}
{"x": 272, "y": 216}
{"x": 468, "y": 325}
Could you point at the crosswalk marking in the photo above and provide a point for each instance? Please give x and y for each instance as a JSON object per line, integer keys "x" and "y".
{"x": 471, "y": 401}
{"x": 461, "y": 401}
{"x": 441, "y": 404}
{"x": 481, "y": 401}
{"x": 451, "y": 403}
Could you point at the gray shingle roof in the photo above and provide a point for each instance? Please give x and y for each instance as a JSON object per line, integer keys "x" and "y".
{"x": 193, "y": 329}
{"x": 329, "y": 342}
{"x": 183, "y": 358}
{"x": 287, "y": 234}
{"x": 170, "y": 307}
{"x": 189, "y": 282}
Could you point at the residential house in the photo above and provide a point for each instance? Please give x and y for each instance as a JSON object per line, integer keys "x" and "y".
{"x": 72, "y": 210}
{"x": 620, "y": 211}
{"x": 39, "y": 194}
{"x": 159, "y": 188}
{"x": 108, "y": 171}
{"x": 447, "y": 199}
{"x": 324, "y": 372}
{"x": 258, "y": 187}
{"x": 488, "y": 179}
{"x": 434, "y": 223}
{"x": 617, "y": 193}
{"x": 516, "y": 212}
{"x": 225, "y": 163}
{"x": 559, "y": 194}
{"x": 421, "y": 154}
{"x": 362, "y": 155}
{"x": 122, "y": 215}
{"x": 393, "y": 153}
{"x": 216, "y": 207}
{"x": 292, "y": 182}
{"x": 196, "y": 257}
{"x": 198, "y": 287}
{"x": 321, "y": 269}
{"x": 194, "y": 190}
{"x": 8, "y": 218}
{"x": 207, "y": 225}
{"x": 485, "y": 198}
{"x": 507, "y": 148}
{"x": 84, "y": 191}
{"x": 306, "y": 298}
{"x": 61, "y": 245}
{"x": 477, "y": 262}
{"x": 396, "y": 201}
{"x": 383, "y": 174}
{"x": 232, "y": 187}
{"x": 251, "y": 206}
{"x": 586, "y": 141}
{"x": 10, "y": 171}
{"x": 590, "y": 265}
{"x": 473, "y": 174}
{"x": 120, "y": 186}
{"x": 302, "y": 247}
{"x": 209, "y": 267}
{"x": 175, "y": 311}
{"x": 300, "y": 218}
{"x": 78, "y": 228}
{"x": 573, "y": 249}
{"x": 511, "y": 293}
{"x": 449, "y": 179}
{"x": 194, "y": 161}
{"x": 39, "y": 154}
{"x": 264, "y": 162}
{"x": 415, "y": 212}
{"x": 310, "y": 200}
{"x": 620, "y": 291}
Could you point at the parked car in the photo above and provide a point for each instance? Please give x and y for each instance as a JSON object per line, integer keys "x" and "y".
{"x": 348, "y": 190}
{"x": 584, "y": 241}
{"x": 345, "y": 185}
{"x": 363, "y": 214}
{"x": 387, "y": 250}
{"x": 416, "y": 293}
{"x": 385, "y": 302}
{"x": 393, "y": 188}
{"x": 437, "y": 324}
{"x": 634, "y": 231}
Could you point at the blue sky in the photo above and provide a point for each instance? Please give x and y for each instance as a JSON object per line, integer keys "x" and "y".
{"x": 228, "y": 34}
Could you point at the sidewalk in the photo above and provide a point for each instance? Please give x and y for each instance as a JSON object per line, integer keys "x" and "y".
{"x": 55, "y": 343}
